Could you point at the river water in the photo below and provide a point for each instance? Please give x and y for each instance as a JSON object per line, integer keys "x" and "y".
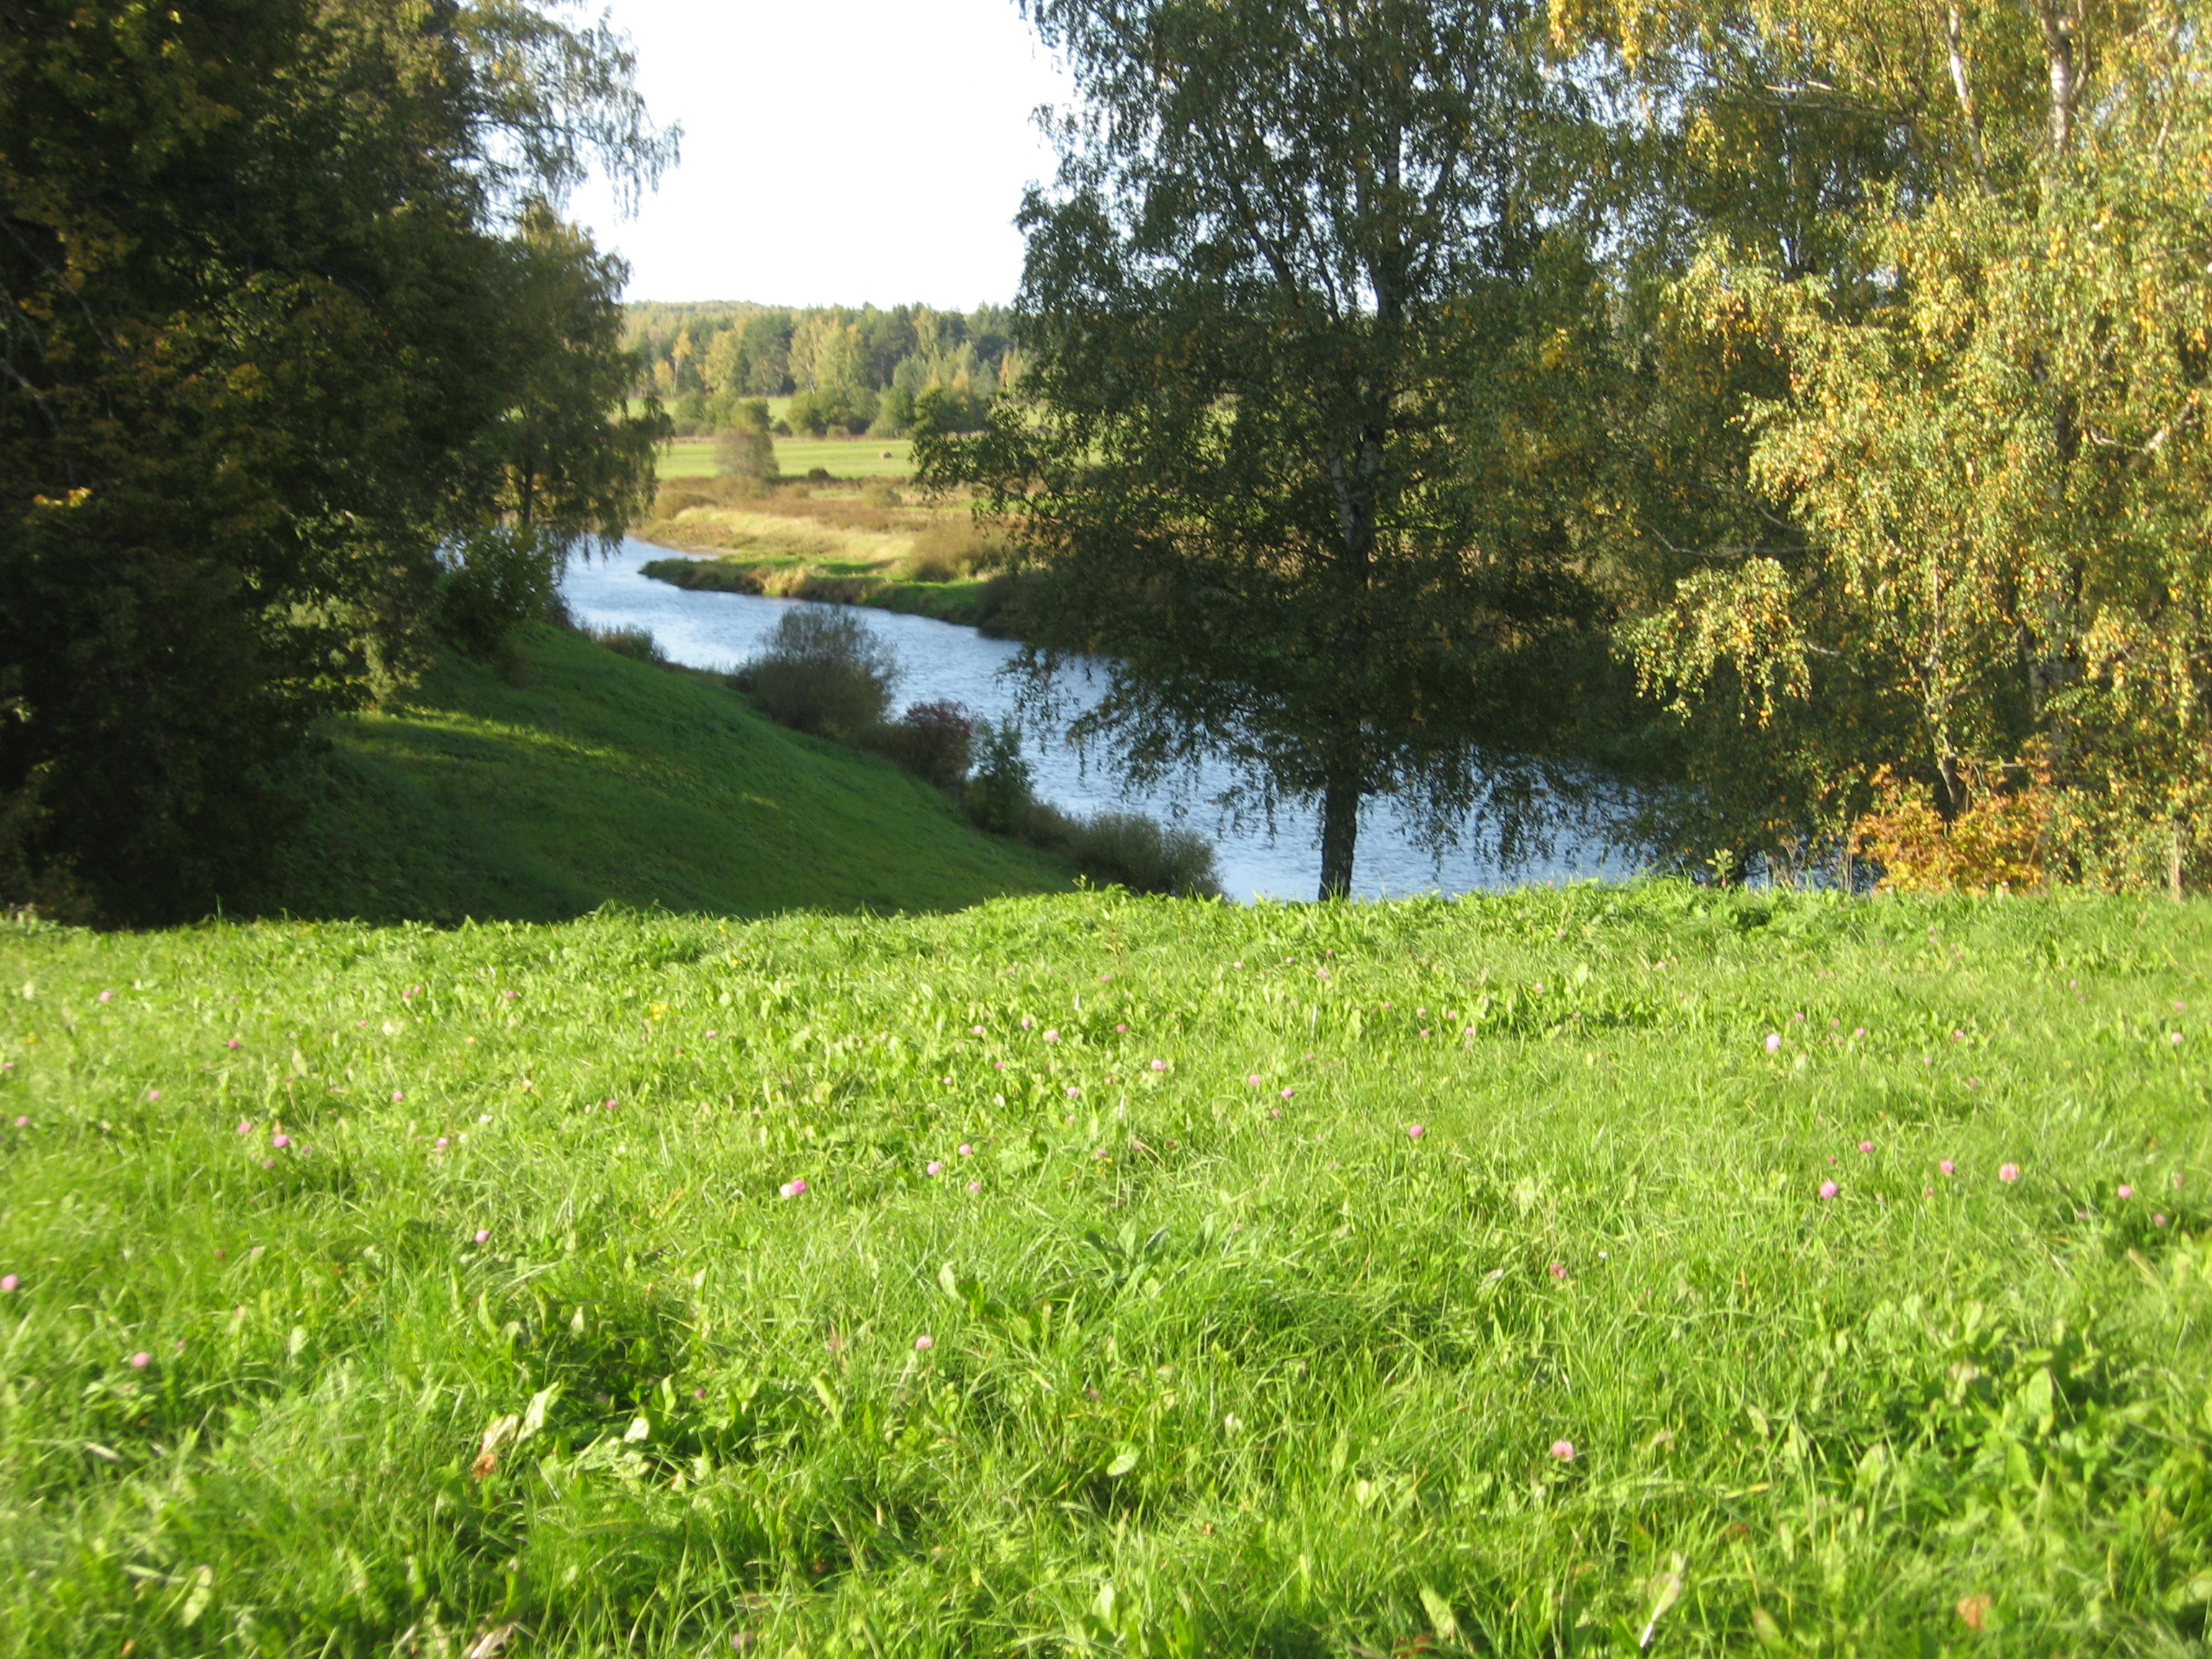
{"x": 942, "y": 661}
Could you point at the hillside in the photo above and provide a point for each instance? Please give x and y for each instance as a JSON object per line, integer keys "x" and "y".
{"x": 1598, "y": 1271}
{"x": 605, "y": 780}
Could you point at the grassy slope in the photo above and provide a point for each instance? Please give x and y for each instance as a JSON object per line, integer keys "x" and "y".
{"x": 1223, "y": 1358}
{"x": 605, "y": 780}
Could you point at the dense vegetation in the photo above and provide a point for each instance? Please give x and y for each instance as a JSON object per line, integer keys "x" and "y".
{"x": 294, "y": 347}
{"x": 1801, "y": 404}
{"x": 841, "y": 369}
{"x": 1535, "y": 1274}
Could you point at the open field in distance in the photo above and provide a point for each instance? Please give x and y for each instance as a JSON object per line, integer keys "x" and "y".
{"x": 842, "y": 458}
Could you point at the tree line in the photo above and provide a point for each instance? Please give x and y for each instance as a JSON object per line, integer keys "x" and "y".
{"x": 300, "y": 368}
{"x": 1798, "y": 407}
{"x": 845, "y": 370}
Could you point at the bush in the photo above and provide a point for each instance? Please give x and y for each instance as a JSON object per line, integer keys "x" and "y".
{"x": 635, "y": 643}
{"x": 946, "y": 552}
{"x": 746, "y": 452}
{"x": 1001, "y": 795}
{"x": 933, "y": 740}
{"x": 882, "y": 494}
{"x": 824, "y": 673}
{"x": 1141, "y": 855}
{"x": 495, "y": 583}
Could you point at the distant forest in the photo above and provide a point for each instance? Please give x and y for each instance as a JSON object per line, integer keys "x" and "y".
{"x": 845, "y": 370}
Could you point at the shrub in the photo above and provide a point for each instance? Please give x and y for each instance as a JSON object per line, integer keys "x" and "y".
{"x": 882, "y": 494}
{"x": 933, "y": 740}
{"x": 824, "y": 673}
{"x": 1143, "y": 857}
{"x": 635, "y": 643}
{"x": 746, "y": 452}
{"x": 496, "y": 582}
{"x": 1001, "y": 795}
{"x": 946, "y": 552}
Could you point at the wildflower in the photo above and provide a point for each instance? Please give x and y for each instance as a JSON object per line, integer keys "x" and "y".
{"x": 1072, "y": 1092}
{"x": 1120, "y": 1028}
{"x": 1025, "y": 1022}
{"x": 974, "y": 1186}
{"x": 935, "y": 1167}
{"x": 1773, "y": 1041}
{"x": 2177, "y": 1181}
{"x": 974, "y": 1030}
{"x": 1866, "y": 1145}
{"x": 1287, "y": 1093}
{"x": 510, "y": 995}
{"x": 1800, "y": 1016}
{"x": 1159, "y": 1066}
{"x": 2175, "y": 1039}
{"x": 439, "y": 1144}
{"x": 1946, "y": 1165}
{"x": 153, "y": 1094}
{"x": 246, "y": 1126}
{"x": 711, "y": 1035}
{"x": 793, "y": 1187}
{"x": 1859, "y": 1032}
{"x": 1559, "y": 1270}
{"x": 966, "y": 1151}
{"x": 279, "y": 1142}
{"x": 923, "y": 1343}
{"x": 1415, "y": 1130}
{"x": 2157, "y": 1220}
{"x": 1829, "y": 1189}
{"x": 8, "y": 1283}
{"x": 2008, "y": 1172}
{"x": 233, "y": 1043}
{"x": 1563, "y": 1450}
{"x": 140, "y": 1360}
{"x": 948, "y": 1082}
{"x": 1052, "y": 1036}
{"x": 397, "y": 1096}
{"x": 1926, "y": 1192}
{"x": 268, "y": 1162}
{"x": 1253, "y": 1080}
{"x": 107, "y": 996}
{"x": 609, "y": 1107}
{"x": 483, "y": 1235}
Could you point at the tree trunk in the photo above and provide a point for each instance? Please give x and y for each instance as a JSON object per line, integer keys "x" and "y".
{"x": 1340, "y": 834}
{"x": 2173, "y": 848}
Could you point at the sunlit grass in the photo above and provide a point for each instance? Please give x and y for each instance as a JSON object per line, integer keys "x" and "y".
{"x": 1221, "y": 1356}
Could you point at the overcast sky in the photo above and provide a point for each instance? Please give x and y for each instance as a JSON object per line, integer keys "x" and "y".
{"x": 871, "y": 150}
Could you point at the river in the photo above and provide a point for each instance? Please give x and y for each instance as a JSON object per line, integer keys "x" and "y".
{"x": 942, "y": 661}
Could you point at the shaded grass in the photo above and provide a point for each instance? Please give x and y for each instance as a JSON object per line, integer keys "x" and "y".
{"x": 605, "y": 780}
{"x": 1213, "y": 1369}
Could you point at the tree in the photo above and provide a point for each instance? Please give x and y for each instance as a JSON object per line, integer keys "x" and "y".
{"x": 286, "y": 313}
{"x": 1297, "y": 256}
{"x": 1988, "y": 449}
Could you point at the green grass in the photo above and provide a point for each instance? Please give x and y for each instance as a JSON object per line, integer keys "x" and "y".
{"x": 972, "y": 602}
{"x": 606, "y": 781}
{"x": 513, "y": 1328}
{"x": 842, "y": 458}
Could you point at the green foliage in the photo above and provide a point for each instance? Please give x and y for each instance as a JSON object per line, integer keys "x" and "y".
{"x": 495, "y": 583}
{"x": 1270, "y": 315}
{"x": 1211, "y": 1369}
{"x": 287, "y": 311}
{"x": 823, "y": 672}
{"x": 1941, "y": 260}
{"x": 1001, "y": 789}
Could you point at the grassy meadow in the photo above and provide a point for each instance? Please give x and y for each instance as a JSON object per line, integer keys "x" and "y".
{"x": 852, "y": 544}
{"x": 842, "y": 457}
{"x": 1594, "y": 1271}
{"x": 600, "y": 779}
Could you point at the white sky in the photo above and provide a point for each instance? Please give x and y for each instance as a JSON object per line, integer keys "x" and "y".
{"x": 874, "y": 150}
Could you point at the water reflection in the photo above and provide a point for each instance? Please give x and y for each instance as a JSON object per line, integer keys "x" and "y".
{"x": 943, "y": 661}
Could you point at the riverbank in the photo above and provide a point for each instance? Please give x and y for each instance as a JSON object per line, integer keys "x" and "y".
{"x": 980, "y": 603}
{"x": 845, "y": 541}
